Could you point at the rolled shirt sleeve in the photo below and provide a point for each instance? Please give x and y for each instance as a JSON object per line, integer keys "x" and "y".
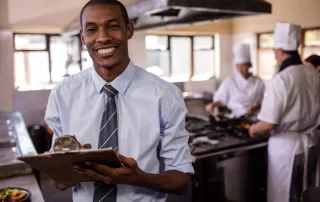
{"x": 175, "y": 150}
{"x": 273, "y": 103}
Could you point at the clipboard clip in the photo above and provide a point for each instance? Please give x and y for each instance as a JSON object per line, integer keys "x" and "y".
{"x": 66, "y": 143}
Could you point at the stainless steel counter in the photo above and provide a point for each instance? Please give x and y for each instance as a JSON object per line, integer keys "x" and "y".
{"x": 15, "y": 141}
{"x": 27, "y": 182}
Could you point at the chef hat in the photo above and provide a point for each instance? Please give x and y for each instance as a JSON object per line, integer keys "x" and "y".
{"x": 287, "y": 36}
{"x": 241, "y": 53}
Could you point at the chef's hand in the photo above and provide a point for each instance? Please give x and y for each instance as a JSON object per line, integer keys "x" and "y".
{"x": 209, "y": 108}
{"x": 126, "y": 174}
{"x": 252, "y": 110}
{"x": 252, "y": 131}
{"x": 261, "y": 128}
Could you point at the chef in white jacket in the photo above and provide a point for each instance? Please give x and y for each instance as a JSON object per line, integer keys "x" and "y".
{"x": 290, "y": 112}
{"x": 241, "y": 92}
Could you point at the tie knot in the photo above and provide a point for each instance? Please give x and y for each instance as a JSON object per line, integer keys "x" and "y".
{"x": 110, "y": 91}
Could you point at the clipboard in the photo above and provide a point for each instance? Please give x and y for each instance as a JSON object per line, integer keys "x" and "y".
{"x": 67, "y": 151}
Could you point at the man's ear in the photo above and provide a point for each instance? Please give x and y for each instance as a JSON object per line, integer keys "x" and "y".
{"x": 81, "y": 36}
{"x": 130, "y": 30}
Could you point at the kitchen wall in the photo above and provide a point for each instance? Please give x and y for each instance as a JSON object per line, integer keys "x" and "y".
{"x": 227, "y": 32}
{"x": 6, "y": 59}
{"x": 137, "y": 49}
{"x": 31, "y": 104}
{"x": 251, "y": 39}
{"x": 303, "y": 12}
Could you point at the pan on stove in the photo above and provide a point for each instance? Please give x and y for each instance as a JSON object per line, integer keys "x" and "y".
{"x": 241, "y": 123}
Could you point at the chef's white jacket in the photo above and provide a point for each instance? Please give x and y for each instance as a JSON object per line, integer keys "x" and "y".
{"x": 240, "y": 94}
{"x": 291, "y": 99}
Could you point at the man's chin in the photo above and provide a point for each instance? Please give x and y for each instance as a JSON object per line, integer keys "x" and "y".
{"x": 108, "y": 65}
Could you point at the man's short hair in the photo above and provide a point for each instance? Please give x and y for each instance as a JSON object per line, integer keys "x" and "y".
{"x": 314, "y": 60}
{"x": 106, "y": 2}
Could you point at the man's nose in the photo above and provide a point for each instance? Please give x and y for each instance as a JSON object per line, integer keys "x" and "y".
{"x": 104, "y": 36}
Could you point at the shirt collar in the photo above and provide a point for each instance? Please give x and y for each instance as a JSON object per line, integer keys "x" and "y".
{"x": 121, "y": 83}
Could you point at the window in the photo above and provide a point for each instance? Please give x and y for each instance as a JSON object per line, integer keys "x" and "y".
{"x": 42, "y": 60}
{"x": 86, "y": 60}
{"x": 203, "y": 52}
{"x": 31, "y": 61}
{"x": 311, "y": 43}
{"x": 30, "y": 42}
{"x": 64, "y": 57}
{"x": 180, "y": 58}
{"x": 267, "y": 65}
{"x": 158, "y": 55}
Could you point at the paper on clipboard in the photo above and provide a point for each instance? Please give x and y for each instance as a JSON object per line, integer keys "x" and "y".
{"x": 58, "y": 165}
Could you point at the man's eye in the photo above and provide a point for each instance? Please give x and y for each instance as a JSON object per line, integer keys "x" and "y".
{"x": 114, "y": 26}
{"x": 91, "y": 30}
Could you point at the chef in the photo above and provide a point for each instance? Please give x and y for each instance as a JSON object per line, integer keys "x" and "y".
{"x": 242, "y": 92}
{"x": 313, "y": 61}
{"x": 290, "y": 112}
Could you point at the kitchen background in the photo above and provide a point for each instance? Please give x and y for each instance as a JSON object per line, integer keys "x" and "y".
{"x": 196, "y": 57}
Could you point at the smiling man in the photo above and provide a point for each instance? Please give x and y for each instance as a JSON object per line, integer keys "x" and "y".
{"x": 117, "y": 104}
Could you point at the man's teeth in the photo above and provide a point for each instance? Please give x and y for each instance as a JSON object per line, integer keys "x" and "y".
{"x": 104, "y": 51}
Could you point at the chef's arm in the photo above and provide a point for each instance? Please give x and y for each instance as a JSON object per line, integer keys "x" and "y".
{"x": 218, "y": 104}
{"x": 261, "y": 128}
{"x": 212, "y": 105}
{"x": 253, "y": 109}
{"x": 256, "y": 107}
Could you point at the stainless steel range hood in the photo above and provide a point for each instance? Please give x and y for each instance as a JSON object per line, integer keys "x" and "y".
{"x": 150, "y": 14}
{"x": 157, "y": 13}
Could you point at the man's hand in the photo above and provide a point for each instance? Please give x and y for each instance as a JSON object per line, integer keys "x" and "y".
{"x": 126, "y": 174}
{"x": 129, "y": 173}
{"x": 63, "y": 187}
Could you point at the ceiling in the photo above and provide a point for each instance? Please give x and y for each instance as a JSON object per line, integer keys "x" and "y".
{"x": 46, "y": 15}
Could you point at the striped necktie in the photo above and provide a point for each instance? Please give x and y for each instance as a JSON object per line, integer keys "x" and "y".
{"x": 108, "y": 138}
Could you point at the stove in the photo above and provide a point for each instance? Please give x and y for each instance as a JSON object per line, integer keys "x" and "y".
{"x": 206, "y": 137}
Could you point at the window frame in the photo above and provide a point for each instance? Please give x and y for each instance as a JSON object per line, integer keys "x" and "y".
{"x": 259, "y": 49}
{"x": 47, "y": 49}
{"x": 301, "y": 48}
{"x": 191, "y": 48}
{"x": 303, "y": 35}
